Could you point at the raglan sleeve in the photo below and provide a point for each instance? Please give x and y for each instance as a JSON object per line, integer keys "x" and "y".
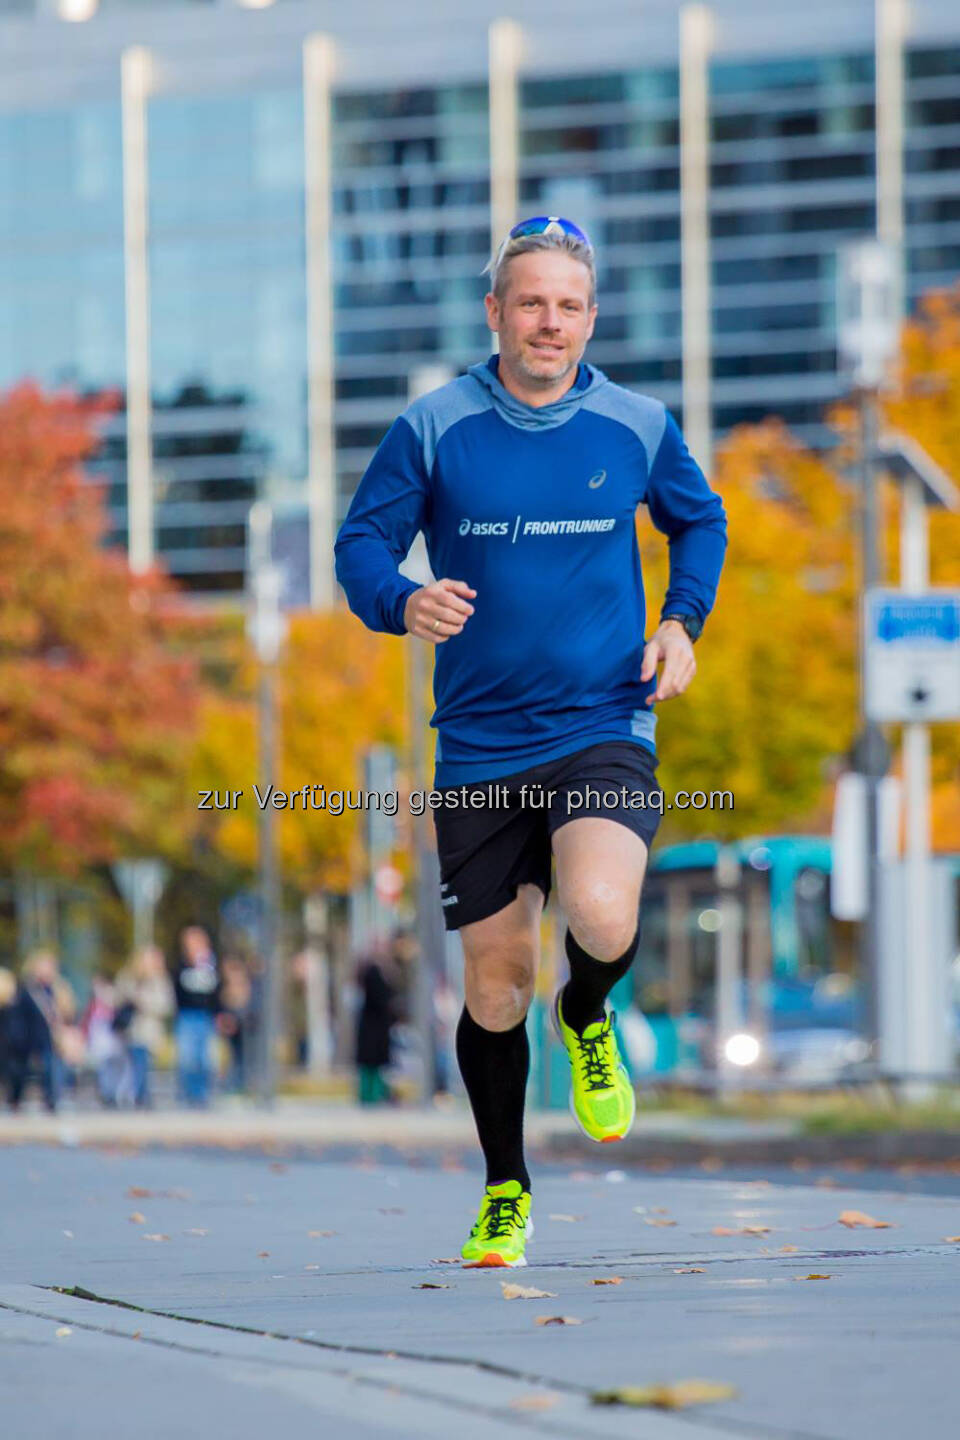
{"x": 388, "y": 509}
{"x": 691, "y": 515}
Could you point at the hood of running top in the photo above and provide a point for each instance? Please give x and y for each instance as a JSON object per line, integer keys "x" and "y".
{"x": 537, "y": 417}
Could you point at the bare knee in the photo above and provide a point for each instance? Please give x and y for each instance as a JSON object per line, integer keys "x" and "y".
{"x": 602, "y": 916}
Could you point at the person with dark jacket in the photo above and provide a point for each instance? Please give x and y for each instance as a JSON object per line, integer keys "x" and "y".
{"x": 197, "y": 987}
{"x": 28, "y": 1031}
{"x": 374, "y": 1022}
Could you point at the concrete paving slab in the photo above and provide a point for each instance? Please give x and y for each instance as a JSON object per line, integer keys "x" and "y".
{"x": 864, "y": 1355}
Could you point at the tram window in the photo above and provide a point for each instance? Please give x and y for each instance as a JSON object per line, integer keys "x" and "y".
{"x": 703, "y": 923}
{"x": 650, "y": 987}
{"x": 814, "y": 938}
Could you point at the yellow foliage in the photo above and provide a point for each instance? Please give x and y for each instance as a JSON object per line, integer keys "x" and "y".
{"x": 774, "y": 698}
{"x": 341, "y": 689}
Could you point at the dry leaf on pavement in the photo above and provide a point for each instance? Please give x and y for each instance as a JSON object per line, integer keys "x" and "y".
{"x": 158, "y": 1238}
{"x": 813, "y": 1277}
{"x": 854, "y": 1218}
{"x": 63, "y": 1330}
{"x": 741, "y": 1230}
{"x": 137, "y": 1219}
{"x": 666, "y": 1397}
{"x": 525, "y": 1292}
{"x": 139, "y": 1192}
{"x": 320, "y": 1234}
{"x": 661, "y": 1223}
{"x": 952, "y": 1239}
{"x": 558, "y": 1320}
{"x": 533, "y": 1402}
{"x": 690, "y": 1270}
{"x": 446, "y": 1260}
{"x": 263, "y": 1254}
{"x": 430, "y": 1285}
{"x": 608, "y": 1280}
{"x": 788, "y": 1250}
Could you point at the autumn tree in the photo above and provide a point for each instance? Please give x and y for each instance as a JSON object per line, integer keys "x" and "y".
{"x": 341, "y": 689}
{"x": 96, "y": 702}
{"x": 774, "y": 697}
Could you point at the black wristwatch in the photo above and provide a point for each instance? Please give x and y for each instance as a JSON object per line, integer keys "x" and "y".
{"x": 690, "y": 623}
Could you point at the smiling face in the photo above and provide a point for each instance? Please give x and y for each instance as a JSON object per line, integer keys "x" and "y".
{"x": 544, "y": 319}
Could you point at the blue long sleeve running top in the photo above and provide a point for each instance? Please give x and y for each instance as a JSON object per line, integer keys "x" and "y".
{"x": 534, "y": 507}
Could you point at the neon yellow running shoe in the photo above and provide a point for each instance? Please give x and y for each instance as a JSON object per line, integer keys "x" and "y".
{"x": 502, "y": 1229}
{"x": 601, "y": 1096}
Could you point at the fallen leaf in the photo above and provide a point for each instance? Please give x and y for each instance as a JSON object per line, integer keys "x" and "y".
{"x": 812, "y": 1277}
{"x": 663, "y": 1224}
{"x": 320, "y": 1234}
{"x": 952, "y": 1239}
{"x": 430, "y": 1285}
{"x": 722, "y": 1230}
{"x": 263, "y": 1254}
{"x": 690, "y": 1270}
{"x": 608, "y": 1280}
{"x": 558, "y": 1320}
{"x": 137, "y": 1219}
{"x": 525, "y": 1292}
{"x": 158, "y": 1238}
{"x": 570, "y": 1219}
{"x": 659, "y": 1210}
{"x": 63, "y": 1330}
{"x": 854, "y": 1218}
{"x": 447, "y": 1260}
{"x": 533, "y": 1402}
{"x": 789, "y": 1250}
{"x": 666, "y": 1397}
{"x": 742, "y": 1230}
{"x": 311, "y": 1267}
{"x": 139, "y": 1192}
{"x": 136, "y": 1335}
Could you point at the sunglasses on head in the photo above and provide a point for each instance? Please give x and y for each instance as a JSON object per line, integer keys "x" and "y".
{"x": 549, "y": 225}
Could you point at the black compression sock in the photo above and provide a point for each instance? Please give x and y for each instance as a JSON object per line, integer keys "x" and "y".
{"x": 591, "y": 982}
{"x": 495, "y": 1065}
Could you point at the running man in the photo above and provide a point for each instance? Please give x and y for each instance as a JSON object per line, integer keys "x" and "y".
{"x": 525, "y": 475}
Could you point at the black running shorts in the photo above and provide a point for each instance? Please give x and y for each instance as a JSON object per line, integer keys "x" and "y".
{"x": 495, "y": 835}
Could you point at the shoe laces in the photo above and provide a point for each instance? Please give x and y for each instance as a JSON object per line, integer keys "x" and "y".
{"x": 596, "y": 1060}
{"x": 503, "y": 1215}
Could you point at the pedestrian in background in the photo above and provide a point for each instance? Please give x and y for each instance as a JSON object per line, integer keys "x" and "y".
{"x": 236, "y": 998}
{"x": 105, "y": 1049}
{"x": 8, "y": 992}
{"x": 31, "y": 1025}
{"x": 374, "y": 1023}
{"x": 144, "y": 988}
{"x": 197, "y": 985}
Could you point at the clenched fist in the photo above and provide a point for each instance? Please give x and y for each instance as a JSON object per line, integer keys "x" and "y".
{"x": 437, "y": 611}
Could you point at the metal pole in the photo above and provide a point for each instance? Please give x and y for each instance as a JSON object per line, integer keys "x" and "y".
{"x": 729, "y": 1018}
{"x": 266, "y": 631}
{"x": 891, "y": 30}
{"x": 318, "y": 62}
{"x": 696, "y": 39}
{"x": 924, "y": 1018}
{"x": 505, "y": 53}
{"x": 873, "y": 758}
{"x": 430, "y": 928}
{"x": 135, "y": 72}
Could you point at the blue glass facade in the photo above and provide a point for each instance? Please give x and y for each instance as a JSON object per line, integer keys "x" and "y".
{"x": 792, "y": 175}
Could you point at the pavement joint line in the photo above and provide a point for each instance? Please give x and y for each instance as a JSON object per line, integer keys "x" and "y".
{"x": 392, "y": 1384}
{"x": 739, "y": 1427}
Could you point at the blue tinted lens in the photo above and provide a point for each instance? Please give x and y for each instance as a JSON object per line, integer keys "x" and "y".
{"x": 549, "y": 224}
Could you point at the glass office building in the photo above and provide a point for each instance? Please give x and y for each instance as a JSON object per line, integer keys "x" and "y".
{"x": 792, "y": 174}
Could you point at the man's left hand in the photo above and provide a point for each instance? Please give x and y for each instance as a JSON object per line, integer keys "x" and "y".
{"x": 671, "y": 644}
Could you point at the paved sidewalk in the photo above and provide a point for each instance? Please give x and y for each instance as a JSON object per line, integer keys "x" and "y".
{"x": 305, "y": 1274}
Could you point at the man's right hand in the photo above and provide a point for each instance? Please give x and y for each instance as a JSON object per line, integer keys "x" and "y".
{"x": 437, "y": 611}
